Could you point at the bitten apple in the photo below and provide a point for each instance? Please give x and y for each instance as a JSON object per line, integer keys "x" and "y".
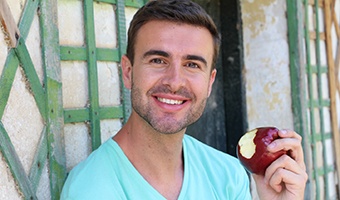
{"x": 252, "y": 149}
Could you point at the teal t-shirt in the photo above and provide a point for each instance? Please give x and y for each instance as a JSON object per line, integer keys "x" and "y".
{"x": 108, "y": 174}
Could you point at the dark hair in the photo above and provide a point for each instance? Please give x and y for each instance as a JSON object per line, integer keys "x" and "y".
{"x": 184, "y": 11}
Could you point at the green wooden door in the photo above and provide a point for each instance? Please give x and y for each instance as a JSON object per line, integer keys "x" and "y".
{"x": 37, "y": 66}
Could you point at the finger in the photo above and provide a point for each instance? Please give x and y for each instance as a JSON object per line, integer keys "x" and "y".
{"x": 286, "y": 133}
{"x": 282, "y": 162}
{"x": 288, "y": 164}
{"x": 291, "y": 145}
{"x": 285, "y": 144}
{"x": 286, "y": 179}
{"x": 291, "y": 142}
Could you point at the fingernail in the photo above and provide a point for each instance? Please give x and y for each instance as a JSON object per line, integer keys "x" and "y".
{"x": 284, "y": 131}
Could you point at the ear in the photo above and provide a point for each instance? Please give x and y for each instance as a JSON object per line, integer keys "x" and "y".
{"x": 212, "y": 80}
{"x": 126, "y": 71}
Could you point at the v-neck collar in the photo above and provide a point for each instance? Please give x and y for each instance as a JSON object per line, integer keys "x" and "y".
{"x": 141, "y": 180}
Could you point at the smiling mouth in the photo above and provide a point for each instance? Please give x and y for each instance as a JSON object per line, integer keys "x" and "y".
{"x": 170, "y": 101}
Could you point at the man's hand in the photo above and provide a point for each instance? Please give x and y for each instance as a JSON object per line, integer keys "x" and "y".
{"x": 286, "y": 177}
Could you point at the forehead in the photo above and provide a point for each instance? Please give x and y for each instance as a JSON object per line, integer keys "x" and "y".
{"x": 173, "y": 37}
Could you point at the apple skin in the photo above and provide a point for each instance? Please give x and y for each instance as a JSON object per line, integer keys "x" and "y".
{"x": 257, "y": 162}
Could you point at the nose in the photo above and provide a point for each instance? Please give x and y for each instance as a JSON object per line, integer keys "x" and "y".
{"x": 174, "y": 77}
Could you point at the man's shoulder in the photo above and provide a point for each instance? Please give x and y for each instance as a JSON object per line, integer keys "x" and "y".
{"x": 208, "y": 154}
{"x": 98, "y": 156}
{"x": 92, "y": 174}
{"x": 194, "y": 144}
{"x": 215, "y": 168}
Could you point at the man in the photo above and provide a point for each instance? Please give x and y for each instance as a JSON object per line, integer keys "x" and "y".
{"x": 169, "y": 67}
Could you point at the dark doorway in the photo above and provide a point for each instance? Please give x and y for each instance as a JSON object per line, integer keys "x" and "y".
{"x": 224, "y": 119}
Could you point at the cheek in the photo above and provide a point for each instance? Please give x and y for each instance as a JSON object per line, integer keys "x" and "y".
{"x": 143, "y": 79}
{"x": 200, "y": 87}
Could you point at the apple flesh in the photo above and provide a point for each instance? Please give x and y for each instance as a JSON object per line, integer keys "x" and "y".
{"x": 252, "y": 149}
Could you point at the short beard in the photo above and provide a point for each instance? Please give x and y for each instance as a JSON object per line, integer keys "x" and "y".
{"x": 167, "y": 124}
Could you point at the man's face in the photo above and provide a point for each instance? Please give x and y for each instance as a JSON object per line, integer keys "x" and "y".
{"x": 171, "y": 76}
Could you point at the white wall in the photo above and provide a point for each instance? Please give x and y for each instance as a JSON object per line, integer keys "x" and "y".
{"x": 266, "y": 63}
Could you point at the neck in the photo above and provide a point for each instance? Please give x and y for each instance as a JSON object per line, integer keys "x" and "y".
{"x": 156, "y": 156}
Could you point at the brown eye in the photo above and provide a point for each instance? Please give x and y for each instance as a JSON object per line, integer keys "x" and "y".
{"x": 192, "y": 65}
{"x": 157, "y": 61}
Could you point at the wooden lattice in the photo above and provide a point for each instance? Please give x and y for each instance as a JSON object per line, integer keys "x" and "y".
{"x": 331, "y": 25}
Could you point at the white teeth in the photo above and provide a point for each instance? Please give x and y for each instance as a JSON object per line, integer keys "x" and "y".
{"x": 170, "y": 101}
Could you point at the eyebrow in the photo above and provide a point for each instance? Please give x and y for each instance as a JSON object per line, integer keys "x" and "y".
{"x": 165, "y": 54}
{"x": 198, "y": 58}
{"x": 155, "y": 52}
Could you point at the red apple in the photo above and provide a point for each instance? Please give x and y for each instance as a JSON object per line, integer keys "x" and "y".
{"x": 252, "y": 149}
